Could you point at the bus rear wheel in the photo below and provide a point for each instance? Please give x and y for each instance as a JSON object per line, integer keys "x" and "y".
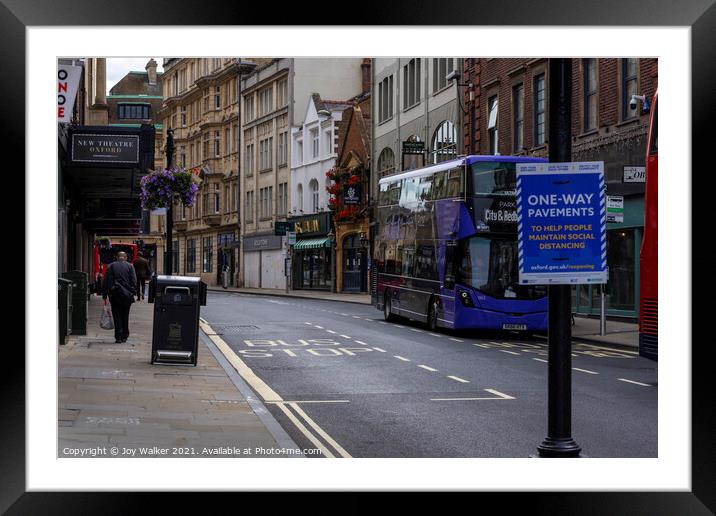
{"x": 388, "y": 314}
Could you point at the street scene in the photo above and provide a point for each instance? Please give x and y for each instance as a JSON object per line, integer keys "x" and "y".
{"x": 409, "y": 258}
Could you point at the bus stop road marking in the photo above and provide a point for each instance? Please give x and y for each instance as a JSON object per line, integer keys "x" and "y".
{"x": 457, "y": 379}
{"x": 584, "y": 370}
{"x": 427, "y": 368}
{"x": 635, "y": 383}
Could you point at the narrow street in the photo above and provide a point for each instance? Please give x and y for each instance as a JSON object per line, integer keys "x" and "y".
{"x": 338, "y": 377}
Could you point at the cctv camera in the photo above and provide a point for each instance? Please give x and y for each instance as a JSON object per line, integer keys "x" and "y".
{"x": 452, "y": 76}
{"x": 634, "y": 98}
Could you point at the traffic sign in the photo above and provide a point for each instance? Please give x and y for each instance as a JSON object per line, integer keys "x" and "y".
{"x": 291, "y": 237}
{"x": 615, "y": 208}
{"x": 561, "y": 223}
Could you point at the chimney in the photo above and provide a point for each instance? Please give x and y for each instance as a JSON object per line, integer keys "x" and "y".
{"x": 365, "y": 75}
{"x": 151, "y": 69}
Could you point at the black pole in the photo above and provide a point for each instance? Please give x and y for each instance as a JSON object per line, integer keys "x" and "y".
{"x": 168, "y": 262}
{"x": 559, "y": 442}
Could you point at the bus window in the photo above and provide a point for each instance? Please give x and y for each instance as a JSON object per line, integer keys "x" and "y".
{"x": 455, "y": 182}
{"x": 425, "y": 265}
{"x": 408, "y": 193}
{"x": 408, "y": 259}
{"x": 424, "y": 189}
{"x": 439, "y": 190}
{"x": 494, "y": 178}
{"x": 383, "y": 197}
{"x": 394, "y": 192}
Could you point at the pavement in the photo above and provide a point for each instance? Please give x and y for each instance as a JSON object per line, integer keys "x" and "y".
{"x": 111, "y": 397}
{"x": 584, "y": 329}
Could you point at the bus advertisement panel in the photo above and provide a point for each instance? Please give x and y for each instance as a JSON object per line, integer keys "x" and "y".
{"x": 446, "y": 247}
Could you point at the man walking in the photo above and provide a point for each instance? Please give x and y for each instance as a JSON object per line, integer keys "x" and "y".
{"x": 120, "y": 286}
{"x": 143, "y": 272}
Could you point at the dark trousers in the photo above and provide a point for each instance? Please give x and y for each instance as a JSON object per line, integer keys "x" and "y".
{"x": 142, "y": 283}
{"x": 120, "y": 313}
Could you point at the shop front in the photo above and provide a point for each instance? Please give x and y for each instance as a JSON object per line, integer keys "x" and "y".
{"x": 263, "y": 262}
{"x": 622, "y": 290}
{"x": 226, "y": 270}
{"x": 312, "y": 254}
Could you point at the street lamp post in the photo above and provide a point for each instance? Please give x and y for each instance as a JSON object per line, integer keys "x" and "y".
{"x": 168, "y": 255}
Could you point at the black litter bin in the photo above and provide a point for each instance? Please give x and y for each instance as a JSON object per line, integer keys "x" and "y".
{"x": 79, "y": 300}
{"x": 64, "y": 308}
{"x": 175, "y": 334}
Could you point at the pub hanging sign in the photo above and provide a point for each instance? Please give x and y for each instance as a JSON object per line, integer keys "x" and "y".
{"x": 105, "y": 148}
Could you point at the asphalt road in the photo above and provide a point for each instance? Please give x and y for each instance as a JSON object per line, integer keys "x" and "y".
{"x": 351, "y": 384}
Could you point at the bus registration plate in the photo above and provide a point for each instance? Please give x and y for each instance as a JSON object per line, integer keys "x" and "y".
{"x": 514, "y": 326}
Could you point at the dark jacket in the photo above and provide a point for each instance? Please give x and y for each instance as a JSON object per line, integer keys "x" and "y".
{"x": 120, "y": 274}
{"x": 142, "y": 268}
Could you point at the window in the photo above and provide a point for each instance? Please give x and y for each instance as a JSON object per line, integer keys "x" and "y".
{"x": 629, "y": 87}
{"x": 182, "y": 156}
{"x": 539, "y": 106}
{"x": 299, "y": 152}
{"x": 492, "y": 124}
{"x": 249, "y": 208}
{"x": 233, "y": 196}
{"x": 282, "y": 94}
{"x": 182, "y": 117}
{"x": 386, "y": 162}
{"x": 217, "y": 97}
{"x": 249, "y": 108}
{"x": 217, "y": 144}
{"x": 249, "y": 161}
{"x": 283, "y": 149}
{"x": 206, "y": 145}
{"x": 135, "y": 111}
{"x": 444, "y": 142}
{"x": 217, "y": 199}
{"x": 299, "y": 191}
{"x": 266, "y": 202}
{"x": 265, "y": 154}
{"x": 227, "y": 140}
{"x": 208, "y": 254}
{"x": 314, "y": 143}
{"x": 226, "y": 199}
{"x": 265, "y": 101}
{"x": 590, "y": 94}
{"x": 441, "y": 68}
{"x": 313, "y": 185}
{"x": 282, "y": 205}
{"x": 385, "y": 99}
{"x": 191, "y": 255}
{"x": 411, "y": 83}
{"x": 328, "y": 142}
{"x": 518, "y": 115}
{"x": 205, "y": 204}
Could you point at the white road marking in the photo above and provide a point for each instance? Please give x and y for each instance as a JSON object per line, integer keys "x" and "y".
{"x": 361, "y": 342}
{"x": 417, "y": 330}
{"x": 401, "y": 358}
{"x": 331, "y": 331}
{"x": 427, "y": 368}
{"x": 540, "y": 360}
{"x": 344, "y": 315}
{"x": 500, "y": 396}
{"x": 481, "y": 345}
{"x": 398, "y": 326}
{"x": 510, "y": 352}
{"x": 456, "y": 340}
{"x": 319, "y": 327}
{"x": 434, "y": 334}
{"x": 458, "y": 379}
{"x": 345, "y": 336}
{"x": 609, "y": 349}
{"x": 381, "y": 350}
{"x": 379, "y": 322}
{"x": 636, "y": 383}
{"x": 307, "y": 401}
{"x": 584, "y": 370}
{"x": 355, "y": 317}
{"x": 310, "y": 324}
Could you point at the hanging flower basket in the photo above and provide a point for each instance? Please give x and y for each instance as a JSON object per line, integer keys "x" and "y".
{"x": 161, "y": 188}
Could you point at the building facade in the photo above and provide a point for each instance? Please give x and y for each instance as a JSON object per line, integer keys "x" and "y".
{"x": 200, "y": 104}
{"x": 511, "y": 109}
{"x": 275, "y": 99}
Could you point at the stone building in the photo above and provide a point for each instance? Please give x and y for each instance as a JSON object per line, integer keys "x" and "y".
{"x": 275, "y": 98}
{"x": 509, "y": 116}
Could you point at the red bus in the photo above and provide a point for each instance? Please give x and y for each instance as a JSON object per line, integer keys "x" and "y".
{"x": 105, "y": 252}
{"x": 648, "y": 256}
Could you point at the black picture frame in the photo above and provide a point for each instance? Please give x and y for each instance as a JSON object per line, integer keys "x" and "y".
{"x": 699, "y": 15}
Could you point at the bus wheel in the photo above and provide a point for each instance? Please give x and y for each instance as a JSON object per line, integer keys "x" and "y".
{"x": 433, "y": 314}
{"x": 388, "y": 314}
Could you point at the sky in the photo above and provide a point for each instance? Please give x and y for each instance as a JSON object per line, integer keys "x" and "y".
{"x": 119, "y": 67}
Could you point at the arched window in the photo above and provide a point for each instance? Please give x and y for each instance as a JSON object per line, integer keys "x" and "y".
{"x": 313, "y": 185}
{"x": 386, "y": 162}
{"x": 300, "y": 196}
{"x": 444, "y": 145}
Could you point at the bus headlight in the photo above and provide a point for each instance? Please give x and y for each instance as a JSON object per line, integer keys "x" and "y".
{"x": 465, "y": 299}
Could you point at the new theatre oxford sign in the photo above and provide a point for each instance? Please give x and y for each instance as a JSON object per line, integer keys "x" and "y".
{"x": 105, "y": 148}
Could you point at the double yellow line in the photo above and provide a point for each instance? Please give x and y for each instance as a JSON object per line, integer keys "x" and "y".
{"x": 296, "y": 415}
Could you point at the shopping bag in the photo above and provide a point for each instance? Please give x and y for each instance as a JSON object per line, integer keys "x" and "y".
{"x": 105, "y": 321}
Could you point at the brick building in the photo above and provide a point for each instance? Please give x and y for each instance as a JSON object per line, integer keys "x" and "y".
{"x": 509, "y": 116}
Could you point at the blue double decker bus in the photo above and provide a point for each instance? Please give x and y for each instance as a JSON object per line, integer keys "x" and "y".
{"x": 446, "y": 247}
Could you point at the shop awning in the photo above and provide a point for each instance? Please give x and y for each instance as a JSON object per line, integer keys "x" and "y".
{"x": 312, "y": 243}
